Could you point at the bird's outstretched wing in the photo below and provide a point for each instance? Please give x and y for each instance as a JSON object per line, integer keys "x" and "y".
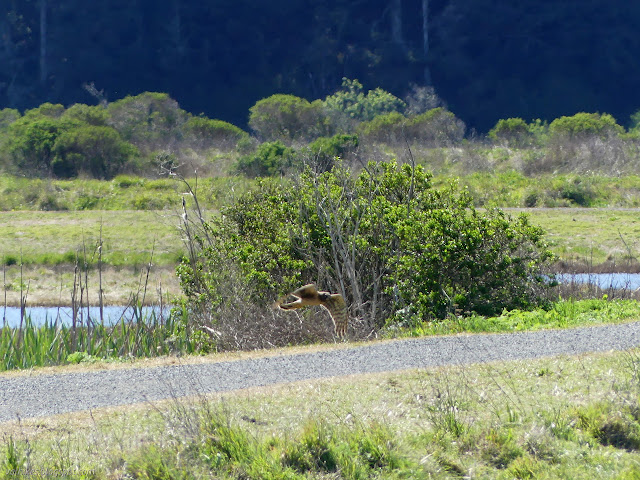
{"x": 304, "y": 296}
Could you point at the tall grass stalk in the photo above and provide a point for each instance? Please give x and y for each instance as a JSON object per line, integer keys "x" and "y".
{"x": 57, "y": 344}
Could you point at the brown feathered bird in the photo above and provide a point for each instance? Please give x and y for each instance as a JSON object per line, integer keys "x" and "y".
{"x": 334, "y": 303}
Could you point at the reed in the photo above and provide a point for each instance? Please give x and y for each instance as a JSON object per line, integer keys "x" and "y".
{"x": 86, "y": 338}
{"x": 55, "y": 343}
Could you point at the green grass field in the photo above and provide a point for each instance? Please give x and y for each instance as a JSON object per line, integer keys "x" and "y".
{"x": 591, "y": 235}
{"x": 128, "y": 237}
{"x": 122, "y": 193}
{"x": 595, "y": 235}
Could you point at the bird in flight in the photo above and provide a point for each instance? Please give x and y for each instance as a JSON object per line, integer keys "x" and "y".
{"x": 334, "y": 303}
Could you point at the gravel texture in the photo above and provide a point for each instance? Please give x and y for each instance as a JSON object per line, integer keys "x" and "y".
{"x": 43, "y": 395}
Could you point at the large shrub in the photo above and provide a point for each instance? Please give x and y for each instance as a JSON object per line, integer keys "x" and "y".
{"x": 434, "y": 128}
{"x": 437, "y": 127}
{"x": 7, "y": 117}
{"x": 96, "y": 151}
{"x": 513, "y": 132}
{"x": 30, "y": 142}
{"x": 352, "y": 101}
{"x": 288, "y": 118}
{"x": 386, "y": 128}
{"x": 584, "y": 125}
{"x": 204, "y": 132}
{"x": 50, "y": 110}
{"x": 398, "y": 249}
{"x": 323, "y": 152}
{"x": 270, "y": 159}
{"x": 87, "y": 114}
{"x": 586, "y": 142}
{"x": 150, "y": 120}
{"x": 54, "y": 142}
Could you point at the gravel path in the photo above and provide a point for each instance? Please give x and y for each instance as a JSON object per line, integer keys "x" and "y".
{"x": 43, "y": 395}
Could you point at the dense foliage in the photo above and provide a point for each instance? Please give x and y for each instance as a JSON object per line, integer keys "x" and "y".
{"x": 396, "y": 247}
{"x": 103, "y": 141}
{"x": 487, "y": 59}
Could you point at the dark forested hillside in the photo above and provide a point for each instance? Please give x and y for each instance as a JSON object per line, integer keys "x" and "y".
{"x": 487, "y": 59}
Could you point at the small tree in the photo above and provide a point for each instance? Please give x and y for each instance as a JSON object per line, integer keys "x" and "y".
{"x": 151, "y": 121}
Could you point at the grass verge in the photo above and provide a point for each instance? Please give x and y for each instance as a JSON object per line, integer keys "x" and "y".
{"x": 562, "y": 314}
{"x": 562, "y": 417}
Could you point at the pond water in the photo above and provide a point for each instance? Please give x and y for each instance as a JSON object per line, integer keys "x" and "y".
{"x": 626, "y": 281}
{"x": 10, "y": 316}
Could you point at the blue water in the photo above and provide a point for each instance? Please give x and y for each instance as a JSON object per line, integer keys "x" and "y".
{"x": 626, "y": 281}
{"x": 64, "y": 315}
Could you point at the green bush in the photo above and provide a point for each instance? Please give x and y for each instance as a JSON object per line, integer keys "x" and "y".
{"x": 207, "y": 133}
{"x": 578, "y": 191}
{"x": 325, "y": 150}
{"x": 287, "y": 118}
{"x": 97, "y": 151}
{"x": 584, "y": 125}
{"x": 31, "y": 141}
{"x": 352, "y": 102}
{"x": 397, "y": 248}
{"x": 512, "y": 131}
{"x": 271, "y": 158}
